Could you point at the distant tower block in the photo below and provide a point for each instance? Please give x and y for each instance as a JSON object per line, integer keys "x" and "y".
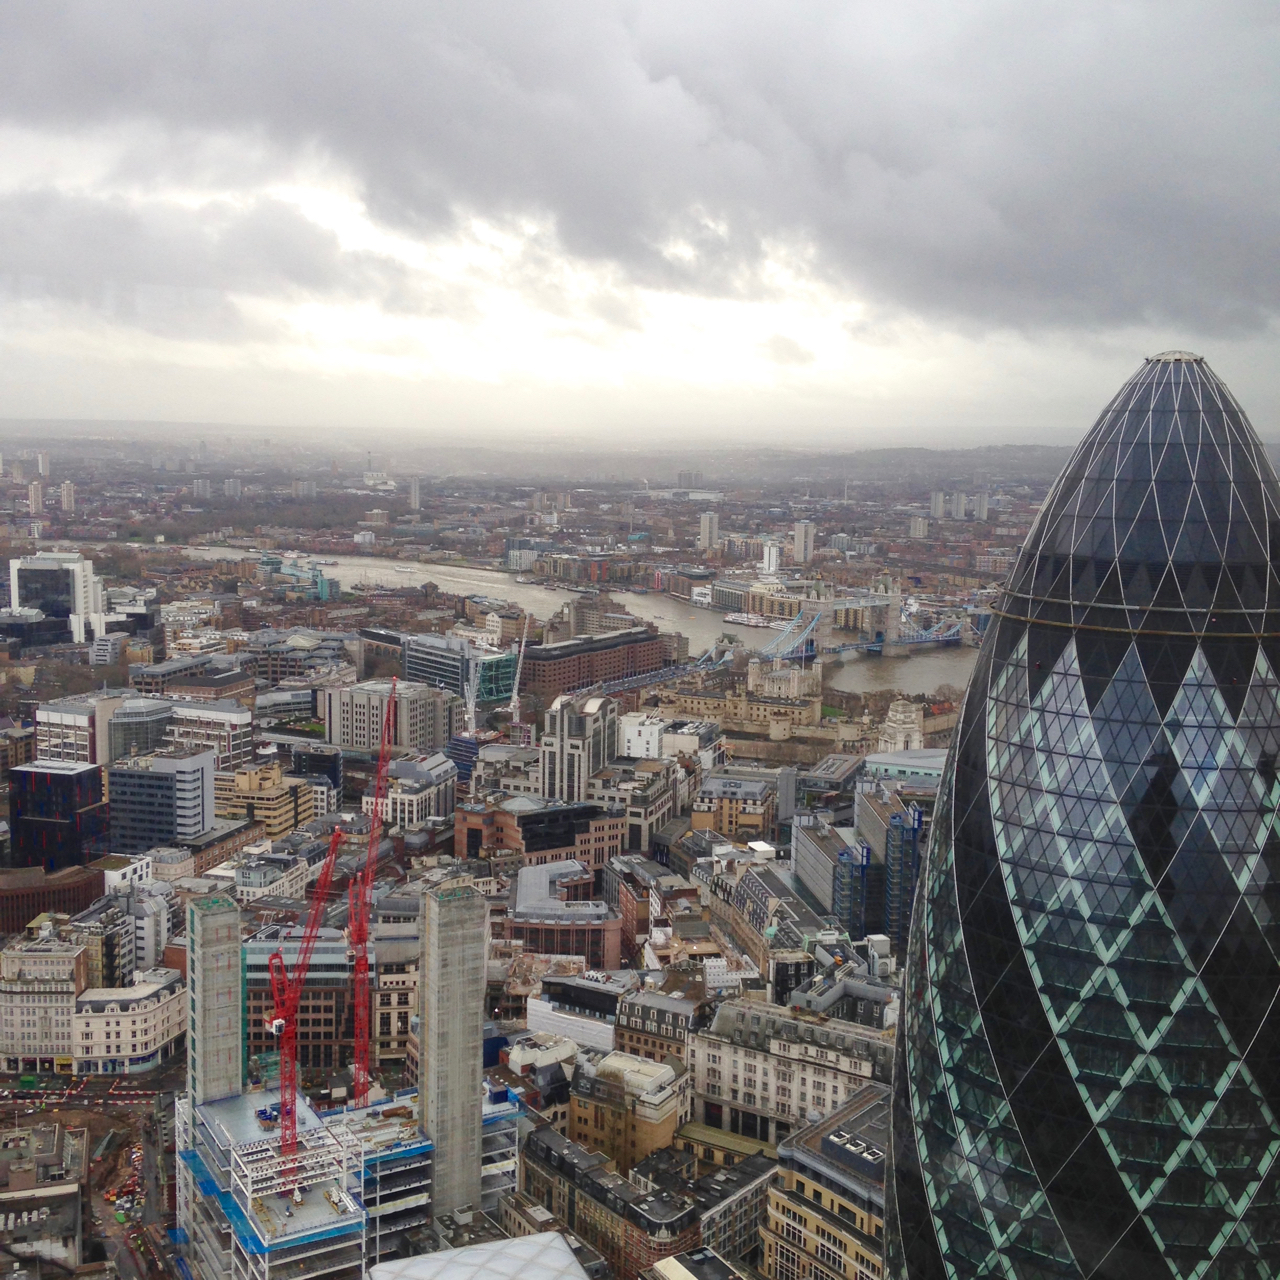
{"x": 958, "y": 502}
{"x": 415, "y": 494}
{"x": 937, "y": 505}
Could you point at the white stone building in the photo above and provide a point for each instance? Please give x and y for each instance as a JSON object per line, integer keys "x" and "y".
{"x": 129, "y": 1030}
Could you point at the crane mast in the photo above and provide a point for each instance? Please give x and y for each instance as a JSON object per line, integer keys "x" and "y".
{"x": 515, "y": 688}
{"x": 361, "y": 904}
{"x": 286, "y": 993}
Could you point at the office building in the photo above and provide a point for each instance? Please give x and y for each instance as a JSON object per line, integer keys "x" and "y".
{"x": 516, "y": 831}
{"x": 802, "y": 541}
{"x": 321, "y": 765}
{"x": 937, "y": 504}
{"x": 105, "y": 930}
{"x": 77, "y": 728}
{"x": 837, "y": 866}
{"x": 221, "y": 725}
{"x": 330, "y": 1041}
{"x": 579, "y": 736}
{"x": 161, "y": 798}
{"x": 740, "y": 808}
{"x": 416, "y": 790}
{"x": 626, "y": 1106}
{"x": 40, "y": 979}
{"x": 132, "y": 1029}
{"x": 448, "y": 662}
{"x": 826, "y": 1201}
{"x": 1091, "y": 1005}
{"x": 58, "y": 815}
{"x": 708, "y": 530}
{"x": 762, "y": 1071}
{"x": 216, "y": 1000}
{"x": 553, "y": 911}
{"x": 451, "y": 983}
{"x": 265, "y": 794}
{"x": 894, "y": 830}
{"x": 425, "y": 718}
{"x": 137, "y": 727}
{"x": 62, "y": 585}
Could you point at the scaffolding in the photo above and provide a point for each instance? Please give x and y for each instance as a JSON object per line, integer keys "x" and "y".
{"x": 247, "y": 1211}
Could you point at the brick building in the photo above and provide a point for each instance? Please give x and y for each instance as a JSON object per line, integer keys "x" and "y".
{"x": 552, "y": 669}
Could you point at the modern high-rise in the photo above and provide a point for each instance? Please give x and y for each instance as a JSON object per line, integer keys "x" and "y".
{"x": 802, "y": 541}
{"x": 1087, "y": 1079}
{"x": 451, "y": 984}
{"x": 216, "y": 1000}
{"x": 708, "y": 530}
{"x": 159, "y": 799}
{"x": 579, "y": 736}
{"x": 58, "y": 814}
{"x": 59, "y": 584}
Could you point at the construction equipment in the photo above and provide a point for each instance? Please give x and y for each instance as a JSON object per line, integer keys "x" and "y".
{"x": 286, "y": 992}
{"x": 361, "y": 904}
{"x": 473, "y": 690}
{"x": 515, "y": 688}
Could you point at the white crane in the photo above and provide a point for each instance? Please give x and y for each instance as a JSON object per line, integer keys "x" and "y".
{"x": 473, "y": 688}
{"x": 515, "y": 688}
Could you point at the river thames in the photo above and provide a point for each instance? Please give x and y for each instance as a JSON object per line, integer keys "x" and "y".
{"x": 920, "y": 673}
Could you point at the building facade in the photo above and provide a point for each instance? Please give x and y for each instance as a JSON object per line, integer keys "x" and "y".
{"x": 40, "y": 979}
{"x": 762, "y": 1071}
{"x": 130, "y": 1030}
{"x": 425, "y": 718}
{"x": 826, "y": 1204}
{"x": 58, "y": 814}
{"x": 1090, "y": 998}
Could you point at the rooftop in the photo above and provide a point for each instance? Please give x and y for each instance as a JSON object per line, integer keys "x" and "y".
{"x": 544, "y": 1256}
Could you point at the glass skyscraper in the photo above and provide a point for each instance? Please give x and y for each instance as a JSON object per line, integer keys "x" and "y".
{"x": 1087, "y": 1080}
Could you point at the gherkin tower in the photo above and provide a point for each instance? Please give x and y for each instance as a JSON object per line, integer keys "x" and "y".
{"x": 1087, "y": 1077}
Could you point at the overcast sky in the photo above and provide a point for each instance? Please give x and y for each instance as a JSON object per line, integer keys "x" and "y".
{"x": 812, "y": 222}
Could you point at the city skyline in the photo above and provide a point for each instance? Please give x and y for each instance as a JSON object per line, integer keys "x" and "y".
{"x": 593, "y": 221}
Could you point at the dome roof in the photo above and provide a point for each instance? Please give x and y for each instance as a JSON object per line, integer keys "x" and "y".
{"x": 1165, "y": 518}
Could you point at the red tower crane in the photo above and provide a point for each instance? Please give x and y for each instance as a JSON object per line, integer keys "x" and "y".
{"x": 286, "y": 992}
{"x": 361, "y": 900}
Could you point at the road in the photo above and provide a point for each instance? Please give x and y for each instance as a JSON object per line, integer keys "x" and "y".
{"x": 144, "y": 1105}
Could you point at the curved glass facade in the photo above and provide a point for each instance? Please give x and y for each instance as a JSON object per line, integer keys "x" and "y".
{"x": 1087, "y": 1081}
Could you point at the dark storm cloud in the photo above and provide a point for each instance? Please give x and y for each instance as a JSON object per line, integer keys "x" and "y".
{"x": 983, "y": 163}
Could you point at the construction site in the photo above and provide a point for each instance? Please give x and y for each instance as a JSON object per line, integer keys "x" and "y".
{"x": 268, "y": 1184}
